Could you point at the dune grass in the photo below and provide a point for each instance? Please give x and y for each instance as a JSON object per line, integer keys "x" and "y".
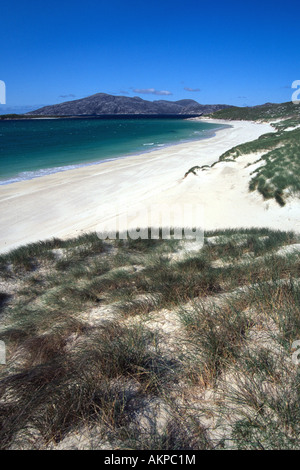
{"x": 265, "y": 112}
{"x": 278, "y": 175}
{"x": 122, "y": 337}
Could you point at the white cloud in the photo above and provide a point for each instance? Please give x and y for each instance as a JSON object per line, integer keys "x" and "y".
{"x": 191, "y": 89}
{"x": 67, "y": 96}
{"x": 152, "y": 91}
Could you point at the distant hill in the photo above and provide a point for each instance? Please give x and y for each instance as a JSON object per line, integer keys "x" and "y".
{"x": 102, "y": 103}
{"x": 267, "y": 111}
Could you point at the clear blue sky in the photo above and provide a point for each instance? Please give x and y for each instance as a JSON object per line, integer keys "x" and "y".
{"x": 235, "y": 52}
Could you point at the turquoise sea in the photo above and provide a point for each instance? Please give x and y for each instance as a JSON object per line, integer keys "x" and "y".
{"x": 32, "y": 148}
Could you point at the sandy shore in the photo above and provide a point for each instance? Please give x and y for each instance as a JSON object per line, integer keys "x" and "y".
{"x": 69, "y": 203}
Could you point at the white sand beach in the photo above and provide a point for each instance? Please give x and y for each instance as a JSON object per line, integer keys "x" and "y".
{"x": 69, "y": 203}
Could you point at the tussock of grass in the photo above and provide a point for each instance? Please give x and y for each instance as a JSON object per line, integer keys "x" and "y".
{"x": 216, "y": 334}
{"x": 174, "y": 436}
{"x": 265, "y": 400}
{"x": 59, "y": 391}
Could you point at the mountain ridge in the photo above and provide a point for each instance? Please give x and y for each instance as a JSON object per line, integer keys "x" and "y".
{"x": 103, "y": 103}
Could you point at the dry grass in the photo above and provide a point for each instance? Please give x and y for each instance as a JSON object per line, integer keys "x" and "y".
{"x": 217, "y": 366}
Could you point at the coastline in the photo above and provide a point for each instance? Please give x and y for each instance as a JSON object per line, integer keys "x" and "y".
{"x": 71, "y": 202}
{"x": 33, "y": 174}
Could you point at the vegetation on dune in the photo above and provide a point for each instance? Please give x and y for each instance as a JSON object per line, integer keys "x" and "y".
{"x": 265, "y": 112}
{"x": 111, "y": 343}
{"x": 278, "y": 174}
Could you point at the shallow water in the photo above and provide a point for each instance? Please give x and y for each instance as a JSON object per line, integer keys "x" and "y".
{"x": 32, "y": 148}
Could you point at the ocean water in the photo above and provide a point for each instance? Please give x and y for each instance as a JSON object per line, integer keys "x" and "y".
{"x": 32, "y": 148}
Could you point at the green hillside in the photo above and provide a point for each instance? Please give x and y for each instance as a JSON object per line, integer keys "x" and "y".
{"x": 268, "y": 111}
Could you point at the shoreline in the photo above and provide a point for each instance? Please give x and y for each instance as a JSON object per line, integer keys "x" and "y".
{"x": 68, "y": 203}
{"x": 40, "y": 173}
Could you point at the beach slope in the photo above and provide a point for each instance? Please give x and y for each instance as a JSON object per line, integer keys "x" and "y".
{"x": 68, "y": 203}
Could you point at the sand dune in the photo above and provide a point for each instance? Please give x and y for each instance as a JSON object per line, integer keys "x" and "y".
{"x": 69, "y": 203}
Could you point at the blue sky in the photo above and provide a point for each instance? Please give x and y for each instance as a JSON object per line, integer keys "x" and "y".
{"x": 234, "y": 52}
